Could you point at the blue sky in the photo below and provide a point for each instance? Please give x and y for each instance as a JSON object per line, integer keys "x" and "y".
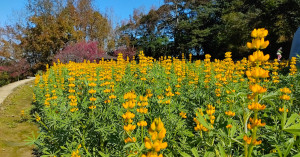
{"x": 121, "y": 8}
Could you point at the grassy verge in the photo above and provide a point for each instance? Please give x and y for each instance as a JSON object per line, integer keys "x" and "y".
{"x": 15, "y": 126}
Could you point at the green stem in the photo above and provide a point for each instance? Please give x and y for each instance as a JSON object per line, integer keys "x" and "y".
{"x": 253, "y": 136}
{"x": 283, "y": 120}
{"x": 246, "y": 149}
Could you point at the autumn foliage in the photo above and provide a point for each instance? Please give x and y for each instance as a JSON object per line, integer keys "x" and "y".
{"x": 16, "y": 69}
{"x": 79, "y": 52}
{"x": 126, "y": 52}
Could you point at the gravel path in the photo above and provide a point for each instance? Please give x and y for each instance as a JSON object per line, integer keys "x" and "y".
{"x": 7, "y": 89}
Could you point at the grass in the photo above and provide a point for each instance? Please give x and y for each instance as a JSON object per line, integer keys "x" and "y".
{"x": 15, "y": 128}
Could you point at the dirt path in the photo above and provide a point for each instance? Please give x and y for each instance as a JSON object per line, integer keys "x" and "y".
{"x": 16, "y": 122}
{"x": 8, "y": 89}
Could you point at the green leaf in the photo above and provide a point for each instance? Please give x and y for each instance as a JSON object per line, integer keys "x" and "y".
{"x": 31, "y": 140}
{"x": 291, "y": 120}
{"x": 195, "y": 152}
{"x": 128, "y": 145}
{"x": 202, "y": 121}
{"x": 294, "y": 129}
{"x": 221, "y": 149}
{"x": 209, "y": 154}
{"x": 233, "y": 130}
{"x": 279, "y": 151}
{"x": 291, "y": 141}
{"x": 270, "y": 155}
{"x": 184, "y": 154}
{"x": 102, "y": 154}
{"x": 62, "y": 147}
{"x": 297, "y": 155}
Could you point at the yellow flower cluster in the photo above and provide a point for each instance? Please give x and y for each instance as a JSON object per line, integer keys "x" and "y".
{"x": 256, "y": 106}
{"x": 128, "y": 116}
{"x": 210, "y": 111}
{"x": 275, "y": 76}
{"x": 249, "y": 140}
{"x": 293, "y": 69}
{"x": 76, "y": 153}
{"x": 257, "y": 89}
{"x": 142, "y": 123}
{"x": 255, "y": 123}
{"x": 207, "y": 70}
{"x": 230, "y": 113}
{"x": 130, "y": 103}
{"x": 155, "y": 143}
{"x": 182, "y": 114}
{"x": 254, "y": 73}
{"x": 257, "y": 72}
{"x": 72, "y": 97}
{"x": 258, "y": 42}
{"x": 285, "y": 91}
{"x": 143, "y": 104}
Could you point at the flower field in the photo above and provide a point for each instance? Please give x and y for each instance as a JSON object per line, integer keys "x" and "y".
{"x": 171, "y": 107}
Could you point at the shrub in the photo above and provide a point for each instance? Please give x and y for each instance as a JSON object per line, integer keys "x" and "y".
{"x": 4, "y": 78}
{"x": 79, "y": 52}
{"x": 16, "y": 69}
{"x": 126, "y": 52}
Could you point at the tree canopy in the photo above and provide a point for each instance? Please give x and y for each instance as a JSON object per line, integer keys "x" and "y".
{"x": 176, "y": 27}
{"x": 212, "y": 26}
{"x": 52, "y": 25}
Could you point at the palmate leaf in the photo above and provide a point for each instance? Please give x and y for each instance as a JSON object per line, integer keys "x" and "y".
{"x": 31, "y": 140}
{"x": 294, "y": 129}
{"x": 291, "y": 120}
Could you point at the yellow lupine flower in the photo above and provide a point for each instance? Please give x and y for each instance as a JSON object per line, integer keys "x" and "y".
{"x": 92, "y": 91}
{"x": 256, "y": 106}
{"x": 142, "y": 123}
{"x": 92, "y": 107}
{"x": 258, "y": 56}
{"x": 229, "y": 126}
{"x": 93, "y": 99}
{"x": 257, "y": 88}
{"x": 285, "y": 90}
{"x": 257, "y": 72}
{"x": 282, "y": 110}
{"x": 182, "y": 114}
{"x": 230, "y": 113}
{"x": 285, "y": 97}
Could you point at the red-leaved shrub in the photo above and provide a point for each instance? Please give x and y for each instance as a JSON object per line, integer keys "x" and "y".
{"x": 16, "y": 69}
{"x": 130, "y": 52}
{"x": 79, "y": 52}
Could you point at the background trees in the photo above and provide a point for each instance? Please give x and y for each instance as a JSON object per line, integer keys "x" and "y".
{"x": 213, "y": 26}
{"x": 54, "y": 25}
{"x": 177, "y": 26}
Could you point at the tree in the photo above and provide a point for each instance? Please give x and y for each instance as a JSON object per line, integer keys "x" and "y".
{"x": 9, "y": 48}
{"x": 56, "y": 23}
{"x": 212, "y": 26}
